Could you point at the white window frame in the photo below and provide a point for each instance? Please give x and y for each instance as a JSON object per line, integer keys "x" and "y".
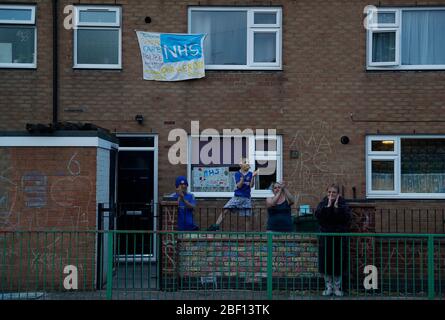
{"x": 20, "y": 7}
{"x": 396, "y": 161}
{"x": 374, "y": 18}
{"x": 26, "y": 24}
{"x": 396, "y": 157}
{"x": 117, "y": 25}
{"x": 383, "y": 138}
{"x": 251, "y": 27}
{"x": 250, "y": 53}
{"x": 397, "y": 27}
{"x": 266, "y": 155}
{"x": 396, "y": 61}
{"x": 251, "y": 154}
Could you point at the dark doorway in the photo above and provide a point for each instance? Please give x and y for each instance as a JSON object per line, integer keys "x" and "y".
{"x": 135, "y": 193}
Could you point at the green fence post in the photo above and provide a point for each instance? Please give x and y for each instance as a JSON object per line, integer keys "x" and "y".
{"x": 269, "y": 265}
{"x": 110, "y": 266}
{"x": 430, "y": 267}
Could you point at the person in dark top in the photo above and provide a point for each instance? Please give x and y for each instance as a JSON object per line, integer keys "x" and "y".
{"x": 279, "y": 209}
{"x": 333, "y": 215}
{"x": 186, "y": 204}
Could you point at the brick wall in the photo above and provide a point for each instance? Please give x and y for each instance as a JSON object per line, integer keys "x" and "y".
{"x": 243, "y": 258}
{"x": 309, "y": 102}
{"x": 239, "y": 261}
{"x": 36, "y": 261}
{"x": 47, "y": 189}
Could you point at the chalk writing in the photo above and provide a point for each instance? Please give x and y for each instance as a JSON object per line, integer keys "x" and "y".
{"x": 34, "y": 187}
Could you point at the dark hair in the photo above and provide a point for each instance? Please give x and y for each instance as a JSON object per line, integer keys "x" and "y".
{"x": 335, "y": 186}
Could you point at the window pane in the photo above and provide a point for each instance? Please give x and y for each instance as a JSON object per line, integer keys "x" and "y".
{"x": 265, "y": 18}
{"x": 383, "y": 46}
{"x": 386, "y": 17}
{"x": 226, "y": 40}
{"x": 266, "y": 145}
{"x": 143, "y": 142}
{"x": 382, "y": 175}
{"x": 267, "y": 174}
{"x": 382, "y": 145}
{"x": 423, "y": 41}
{"x": 215, "y": 162}
{"x": 17, "y": 45}
{"x": 219, "y": 151}
{"x": 97, "y": 46}
{"x": 423, "y": 165}
{"x": 97, "y": 16}
{"x": 15, "y": 14}
{"x": 264, "y": 47}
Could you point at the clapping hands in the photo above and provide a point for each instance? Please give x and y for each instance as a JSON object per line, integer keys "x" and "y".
{"x": 332, "y": 199}
{"x": 180, "y": 193}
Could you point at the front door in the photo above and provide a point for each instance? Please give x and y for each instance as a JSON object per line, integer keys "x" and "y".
{"x": 136, "y": 193}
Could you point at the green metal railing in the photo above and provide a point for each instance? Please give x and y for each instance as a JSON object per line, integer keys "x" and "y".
{"x": 218, "y": 265}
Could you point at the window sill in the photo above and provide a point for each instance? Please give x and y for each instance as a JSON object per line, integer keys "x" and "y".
{"x": 244, "y": 69}
{"x": 406, "y": 68}
{"x": 420, "y": 196}
{"x": 227, "y": 195}
{"x": 96, "y": 67}
{"x": 12, "y": 66}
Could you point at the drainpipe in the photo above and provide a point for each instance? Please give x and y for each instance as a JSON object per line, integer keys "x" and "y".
{"x": 55, "y": 65}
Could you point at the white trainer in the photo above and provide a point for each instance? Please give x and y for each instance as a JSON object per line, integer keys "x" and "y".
{"x": 328, "y": 284}
{"x": 327, "y": 292}
{"x": 337, "y": 287}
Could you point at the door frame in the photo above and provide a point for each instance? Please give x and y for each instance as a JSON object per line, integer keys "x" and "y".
{"x": 145, "y": 257}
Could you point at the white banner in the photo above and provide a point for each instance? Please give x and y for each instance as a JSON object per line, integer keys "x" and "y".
{"x": 171, "y": 57}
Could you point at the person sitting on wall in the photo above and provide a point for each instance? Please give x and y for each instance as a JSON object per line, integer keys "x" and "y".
{"x": 186, "y": 205}
{"x": 333, "y": 215}
{"x": 279, "y": 209}
{"x": 241, "y": 202}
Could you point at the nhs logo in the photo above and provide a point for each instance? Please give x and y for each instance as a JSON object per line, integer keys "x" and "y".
{"x": 176, "y": 48}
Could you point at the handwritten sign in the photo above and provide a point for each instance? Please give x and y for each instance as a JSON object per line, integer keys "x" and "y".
{"x": 171, "y": 57}
{"x": 208, "y": 177}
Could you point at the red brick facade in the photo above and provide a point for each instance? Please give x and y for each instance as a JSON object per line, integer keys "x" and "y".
{"x": 310, "y": 102}
{"x": 48, "y": 188}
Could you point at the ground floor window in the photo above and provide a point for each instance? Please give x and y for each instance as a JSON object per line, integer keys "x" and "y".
{"x": 213, "y": 162}
{"x": 406, "y": 166}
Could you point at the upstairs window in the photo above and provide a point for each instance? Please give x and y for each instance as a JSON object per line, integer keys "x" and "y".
{"x": 406, "y": 39}
{"x": 97, "y": 37}
{"x": 239, "y": 38}
{"x": 18, "y": 36}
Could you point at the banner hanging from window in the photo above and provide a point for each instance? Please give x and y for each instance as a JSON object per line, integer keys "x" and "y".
{"x": 171, "y": 57}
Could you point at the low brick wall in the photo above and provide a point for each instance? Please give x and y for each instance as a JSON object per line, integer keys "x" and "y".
{"x": 245, "y": 256}
{"x": 240, "y": 260}
{"x": 231, "y": 259}
{"x": 236, "y": 261}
